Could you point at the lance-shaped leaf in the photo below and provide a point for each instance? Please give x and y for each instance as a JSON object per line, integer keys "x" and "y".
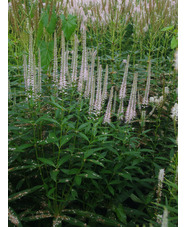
{"x": 35, "y": 216}
{"x": 54, "y": 174}
{"x": 119, "y": 210}
{"x": 63, "y": 160}
{"x": 47, "y": 161}
{"x": 30, "y": 167}
{"x": 65, "y": 139}
{"x": 20, "y": 194}
{"x": 72, "y": 221}
{"x": 96, "y": 162}
{"x": 47, "y": 118}
{"x": 94, "y": 217}
{"x": 90, "y": 174}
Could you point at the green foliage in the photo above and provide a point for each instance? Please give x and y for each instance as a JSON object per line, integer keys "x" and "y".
{"x": 68, "y": 25}
{"x": 67, "y": 168}
{"x": 46, "y": 49}
{"x": 174, "y": 42}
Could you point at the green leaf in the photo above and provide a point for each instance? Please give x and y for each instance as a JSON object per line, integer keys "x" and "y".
{"x": 90, "y": 174}
{"x": 68, "y": 25}
{"x": 78, "y": 180}
{"x": 56, "y": 104}
{"x": 52, "y": 137}
{"x": 116, "y": 182}
{"x": 126, "y": 176}
{"x": 111, "y": 190}
{"x": 63, "y": 160}
{"x": 72, "y": 221}
{"x": 23, "y": 147}
{"x": 65, "y": 139}
{"x": 20, "y": 194}
{"x": 91, "y": 152}
{"x": 47, "y": 119}
{"x": 30, "y": 167}
{"x": 50, "y": 192}
{"x": 65, "y": 180}
{"x": 42, "y": 214}
{"x": 54, "y": 174}
{"x": 167, "y": 28}
{"x": 80, "y": 134}
{"x": 74, "y": 194}
{"x": 96, "y": 162}
{"x": 94, "y": 217}
{"x": 39, "y": 33}
{"x": 70, "y": 171}
{"x": 46, "y": 53}
{"x": 13, "y": 217}
{"x": 47, "y": 161}
{"x": 119, "y": 210}
{"x": 52, "y": 24}
{"x": 44, "y": 18}
{"x": 174, "y": 43}
{"x": 135, "y": 199}
{"x": 83, "y": 125}
{"x": 66, "y": 119}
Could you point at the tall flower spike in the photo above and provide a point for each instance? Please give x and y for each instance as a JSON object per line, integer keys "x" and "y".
{"x": 93, "y": 64}
{"x": 87, "y": 87}
{"x": 97, "y": 105}
{"x": 80, "y": 82}
{"x": 174, "y": 112}
{"x": 90, "y": 79}
{"x": 122, "y": 92}
{"x": 30, "y": 61}
{"x": 121, "y": 110}
{"x": 91, "y": 106}
{"x": 114, "y": 104}
{"x": 165, "y": 218}
{"x": 34, "y": 82}
{"x": 55, "y": 67}
{"x": 160, "y": 184}
{"x": 74, "y": 60}
{"x": 104, "y": 94}
{"x": 39, "y": 72}
{"x": 84, "y": 70}
{"x": 66, "y": 65}
{"x": 25, "y": 72}
{"x": 131, "y": 109}
{"x": 139, "y": 103}
{"x": 146, "y": 97}
{"x": 62, "y": 82}
{"x": 107, "y": 118}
